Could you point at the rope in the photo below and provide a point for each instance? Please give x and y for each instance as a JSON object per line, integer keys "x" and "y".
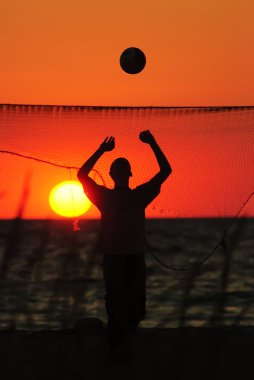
{"x": 50, "y": 163}
{"x": 192, "y": 267}
{"x": 221, "y": 243}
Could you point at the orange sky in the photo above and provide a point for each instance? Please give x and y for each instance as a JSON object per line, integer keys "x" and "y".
{"x": 62, "y": 52}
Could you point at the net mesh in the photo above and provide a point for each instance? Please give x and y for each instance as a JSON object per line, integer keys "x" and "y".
{"x": 210, "y": 149}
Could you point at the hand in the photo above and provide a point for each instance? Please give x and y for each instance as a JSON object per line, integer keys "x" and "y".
{"x": 108, "y": 144}
{"x": 146, "y": 137}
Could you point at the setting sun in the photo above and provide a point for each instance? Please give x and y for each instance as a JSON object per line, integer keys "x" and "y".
{"x": 68, "y": 199}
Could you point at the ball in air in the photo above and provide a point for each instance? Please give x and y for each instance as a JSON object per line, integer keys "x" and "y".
{"x": 132, "y": 60}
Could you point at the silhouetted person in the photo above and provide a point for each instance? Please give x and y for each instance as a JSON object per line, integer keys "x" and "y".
{"x": 122, "y": 240}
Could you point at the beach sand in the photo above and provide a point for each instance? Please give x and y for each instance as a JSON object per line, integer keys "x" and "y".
{"x": 82, "y": 352}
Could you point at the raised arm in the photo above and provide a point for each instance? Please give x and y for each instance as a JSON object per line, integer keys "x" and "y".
{"x": 165, "y": 168}
{"x": 107, "y": 145}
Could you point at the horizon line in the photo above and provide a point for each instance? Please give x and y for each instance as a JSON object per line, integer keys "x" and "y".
{"x": 98, "y": 107}
{"x": 147, "y": 218}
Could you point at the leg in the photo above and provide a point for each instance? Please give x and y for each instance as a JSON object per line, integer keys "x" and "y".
{"x": 137, "y": 292}
{"x": 115, "y": 297}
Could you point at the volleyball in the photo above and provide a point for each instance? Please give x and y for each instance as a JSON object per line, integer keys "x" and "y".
{"x": 132, "y": 60}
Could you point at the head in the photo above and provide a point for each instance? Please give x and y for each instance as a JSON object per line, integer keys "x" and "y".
{"x": 120, "y": 171}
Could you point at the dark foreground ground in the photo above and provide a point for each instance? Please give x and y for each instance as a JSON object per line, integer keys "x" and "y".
{"x": 83, "y": 353}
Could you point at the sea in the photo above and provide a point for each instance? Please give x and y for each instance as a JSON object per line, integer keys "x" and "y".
{"x": 199, "y": 273}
